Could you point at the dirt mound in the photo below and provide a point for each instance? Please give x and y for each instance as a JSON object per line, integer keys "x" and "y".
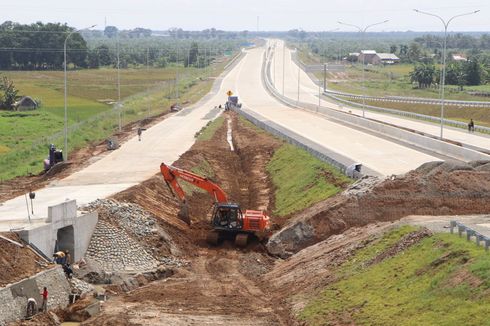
{"x": 17, "y": 263}
{"x": 433, "y": 189}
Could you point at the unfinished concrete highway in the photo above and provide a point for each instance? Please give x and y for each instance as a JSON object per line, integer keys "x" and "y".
{"x": 137, "y": 160}
{"x": 308, "y": 92}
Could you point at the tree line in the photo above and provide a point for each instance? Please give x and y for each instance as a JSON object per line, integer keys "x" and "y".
{"x": 40, "y": 46}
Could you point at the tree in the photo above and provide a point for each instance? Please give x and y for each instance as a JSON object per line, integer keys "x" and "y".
{"x": 393, "y": 49}
{"x": 473, "y": 72}
{"x": 414, "y": 52}
{"x": 8, "y": 93}
{"x": 104, "y": 55}
{"x": 111, "y": 31}
{"x": 423, "y": 74}
{"x": 193, "y": 53}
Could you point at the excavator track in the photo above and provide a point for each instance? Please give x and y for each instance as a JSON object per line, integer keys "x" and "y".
{"x": 213, "y": 238}
{"x": 241, "y": 239}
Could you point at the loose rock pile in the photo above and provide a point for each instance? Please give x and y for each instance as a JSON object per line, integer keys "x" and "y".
{"x": 80, "y": 287}
{"x": 115, "y": 251}
{"x": 129, "y": 216}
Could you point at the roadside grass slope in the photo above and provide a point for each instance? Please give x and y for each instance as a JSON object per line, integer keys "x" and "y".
{"x": 301, "y": 179}
{"x": 441, "y": 280}
{"x": 25, "y": 136}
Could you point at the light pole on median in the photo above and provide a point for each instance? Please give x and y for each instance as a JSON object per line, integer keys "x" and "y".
{"x": 65, "y": 154}
{"x": 363, "y": 32}
{"x": 446, "y": 24}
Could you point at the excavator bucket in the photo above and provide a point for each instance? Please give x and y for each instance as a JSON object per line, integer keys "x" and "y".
{"x": 183, "y": 213}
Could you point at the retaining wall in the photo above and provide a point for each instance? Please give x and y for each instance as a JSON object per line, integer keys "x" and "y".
{"x": 65, "y": 229}
{"x": 13, "y": 297}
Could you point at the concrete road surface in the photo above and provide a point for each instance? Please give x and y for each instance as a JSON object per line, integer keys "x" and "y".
{"x": 134, "y": 162}
{"x": 376, "y": 153}
{"x": 308, "y": 92}
{"x": 137, "y": 161}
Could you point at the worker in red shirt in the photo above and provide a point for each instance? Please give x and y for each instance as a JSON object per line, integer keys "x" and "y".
{"x": 44, "y": 294}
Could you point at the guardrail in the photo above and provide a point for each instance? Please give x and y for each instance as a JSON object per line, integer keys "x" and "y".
{"x": 470, "y": 233}
{"x": 413, "y": 100}
{"x": 412, "y": 115}
{"x": 335, "y": 95}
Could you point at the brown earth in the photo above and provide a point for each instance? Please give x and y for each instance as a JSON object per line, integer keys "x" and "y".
{"x": 435, "y": 188}
{"x": 220, "y": 286}
{"x": 17, "y": 263}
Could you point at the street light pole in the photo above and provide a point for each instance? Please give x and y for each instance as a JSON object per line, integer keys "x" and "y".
{"x": 363, "y": 32}
{"x": 283, "y": 63}
{"x": 446, "y": 24}
{"x": 118, "y": 84}
{"x": 65, "y": 149}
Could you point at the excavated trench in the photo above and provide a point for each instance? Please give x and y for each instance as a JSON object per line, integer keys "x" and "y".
{"x": 221, "y": 284}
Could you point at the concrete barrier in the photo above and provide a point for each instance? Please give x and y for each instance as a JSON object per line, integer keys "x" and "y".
{"x": 64, "y": 229}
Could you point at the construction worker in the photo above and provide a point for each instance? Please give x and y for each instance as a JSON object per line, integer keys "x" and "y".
{"x": 44, "y": 294}
{"x": 67, "y": 257}
{"x": 59, "y": 257}
{"x": 31, "y": 308}
{"x": 140, "y": 131}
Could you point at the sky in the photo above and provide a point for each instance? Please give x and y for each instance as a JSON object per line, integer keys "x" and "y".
{"x": 239, "y": 15}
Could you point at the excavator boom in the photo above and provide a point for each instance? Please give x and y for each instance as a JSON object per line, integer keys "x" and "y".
{"x": 170, "y": 175}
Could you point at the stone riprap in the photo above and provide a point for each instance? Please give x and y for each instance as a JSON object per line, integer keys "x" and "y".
{"x": 13, "y": 297}
{"x": 116, "y": 251}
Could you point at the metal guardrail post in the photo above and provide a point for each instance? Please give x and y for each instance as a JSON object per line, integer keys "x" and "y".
{"x": 452, "y": 225}
{"x": 469, "y": 234}
{"x": 487, "y": 244}
{"x": 460, "y": 230}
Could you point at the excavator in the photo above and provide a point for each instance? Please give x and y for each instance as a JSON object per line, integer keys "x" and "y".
{"x": 228, "y": 220}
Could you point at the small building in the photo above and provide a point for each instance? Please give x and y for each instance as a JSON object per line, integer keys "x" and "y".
{"x": 367, "y": 56}
{"x": 353, "y": 57}
{"x": 385, "y": 59}
{"x": 25, "y": 104}
{"x": 458, "y": 57}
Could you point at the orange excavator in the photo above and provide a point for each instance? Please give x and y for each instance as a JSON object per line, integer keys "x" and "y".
{"x": 228, "y": 220}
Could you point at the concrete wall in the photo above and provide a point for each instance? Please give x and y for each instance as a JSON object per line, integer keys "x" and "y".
{"x": 13, "y": 298}
{"x": 57, "y": 229}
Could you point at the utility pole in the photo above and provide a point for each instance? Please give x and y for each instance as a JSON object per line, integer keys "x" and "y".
{"x": 363, "y": 32}
{"x": 283, "y": 64}
{"x": 177, "y": 75}
{"x": 148, "y": 70}
{"x": 274, "y": 65}
{"x": 118, "y": 84}
{"x": 299, "y": 74}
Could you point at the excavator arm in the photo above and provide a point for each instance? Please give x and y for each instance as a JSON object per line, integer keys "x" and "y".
{"x": 170, "y": 175}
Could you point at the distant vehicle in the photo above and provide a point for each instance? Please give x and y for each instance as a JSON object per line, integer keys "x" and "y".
{"x": 175, "y": 107}
{"x": 232, "y": 103}
{"x": 55, "y": 156}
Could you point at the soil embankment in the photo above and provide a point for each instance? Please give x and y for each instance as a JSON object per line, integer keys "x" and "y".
{"x": 435, "y": 188}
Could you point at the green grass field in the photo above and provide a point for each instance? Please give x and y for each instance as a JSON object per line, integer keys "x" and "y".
{"x": 25, "y": 136}
{"x": 442, "y": 280}
{"x": 301, "y": 179}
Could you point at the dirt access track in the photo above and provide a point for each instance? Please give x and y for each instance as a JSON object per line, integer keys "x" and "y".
{"x": 220, "y": 286}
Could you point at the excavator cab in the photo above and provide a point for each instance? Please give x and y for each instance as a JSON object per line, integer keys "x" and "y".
{"x": 227, "y": 217}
